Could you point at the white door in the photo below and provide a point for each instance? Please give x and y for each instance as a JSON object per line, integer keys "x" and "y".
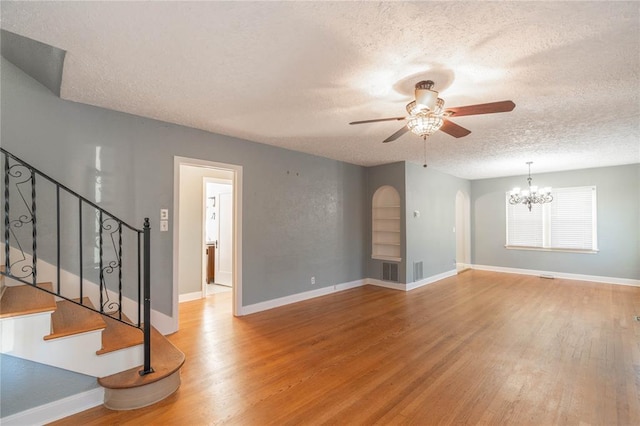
{"x": 224, "y": 261}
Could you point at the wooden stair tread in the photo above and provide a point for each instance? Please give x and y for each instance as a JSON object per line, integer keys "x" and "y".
{"x": 70, "y": 319}
{"x": 166, "y": 359}
{"x": 25, "y": 299}
{"x": 119, "y": 336}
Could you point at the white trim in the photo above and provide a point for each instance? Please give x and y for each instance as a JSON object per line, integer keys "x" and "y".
{"x": 188, "y": 297}
{"x": 299, "y": 297}
{"x": 564, "y": 275}
{"x": 163, "y": 322}
{"x": 551, "y": 249}
{"x": 430, "y": 280}
{"x": 411, "y": 286}
{"x": 390, "y": 258}
{"x": 386, "y": 284}
{"x": 462, "y": 266}
{"x": 56, "y": 410}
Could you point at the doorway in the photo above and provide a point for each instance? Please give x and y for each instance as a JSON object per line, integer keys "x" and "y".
{"x": 189, "y": 229}
{"x": 463, "y": 233}
{"x": 218, "y": 237}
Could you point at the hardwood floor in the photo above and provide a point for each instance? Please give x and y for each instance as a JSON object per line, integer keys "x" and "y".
{"x": 477, "y": 348}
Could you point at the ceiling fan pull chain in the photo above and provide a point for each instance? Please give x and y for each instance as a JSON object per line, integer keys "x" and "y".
{"x": 425, "y": 152}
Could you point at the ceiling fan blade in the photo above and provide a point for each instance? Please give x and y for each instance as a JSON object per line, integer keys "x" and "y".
{"x": 451, "y": 128}
{"x": 490, "y": 108}
{"x": 378, "y": 119}
{"x": 397, "y": 134}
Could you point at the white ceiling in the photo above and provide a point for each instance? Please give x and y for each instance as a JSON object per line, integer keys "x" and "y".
{"x": 294, "y": 74}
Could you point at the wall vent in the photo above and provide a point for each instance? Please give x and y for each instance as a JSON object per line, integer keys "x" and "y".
{"x": 417, "y": 271}
{"x": 390, "y": 271}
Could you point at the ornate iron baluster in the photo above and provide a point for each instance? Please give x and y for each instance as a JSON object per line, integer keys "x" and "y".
{"x": 110, "y": 225}
{"x": 16, "y": 171}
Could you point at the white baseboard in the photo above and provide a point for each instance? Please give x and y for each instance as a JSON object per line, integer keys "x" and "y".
{"x": 164, "y": 323}
{"x": 564, "y": 275}
{"x": 413, "y": 285}
{"x": 386, "y": 284}
{"x": 430, "y": 280}
{"x": 282, "y": 301}
{"x": 188, "y": 297}
{"x": 56, "y": 410}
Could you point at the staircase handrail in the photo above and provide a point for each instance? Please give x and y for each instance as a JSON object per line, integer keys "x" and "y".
{"x": 143, "y": 261}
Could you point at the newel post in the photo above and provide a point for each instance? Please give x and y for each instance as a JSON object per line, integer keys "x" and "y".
{"x": 146, "y": 232}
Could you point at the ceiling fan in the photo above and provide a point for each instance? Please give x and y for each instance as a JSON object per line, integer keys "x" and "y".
{"x": 428, "y": 115}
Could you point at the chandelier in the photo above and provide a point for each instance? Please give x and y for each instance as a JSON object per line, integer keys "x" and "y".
{"x": 424, "y": 122}
{"x": 530, "y": 196}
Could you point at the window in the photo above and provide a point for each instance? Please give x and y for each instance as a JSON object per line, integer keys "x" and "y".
{"x": 568, "y": 223}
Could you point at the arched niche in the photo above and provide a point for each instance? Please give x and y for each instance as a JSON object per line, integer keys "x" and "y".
{"x": 385, "y": 232}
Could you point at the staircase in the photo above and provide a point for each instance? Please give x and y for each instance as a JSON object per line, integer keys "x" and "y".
{"x": 69, "y": 322}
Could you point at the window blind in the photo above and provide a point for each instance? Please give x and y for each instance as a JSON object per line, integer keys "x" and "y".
{"x": 569, "y": 222}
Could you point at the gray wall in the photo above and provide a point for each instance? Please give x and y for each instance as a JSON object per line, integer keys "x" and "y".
{"x": 301, "y": 213}
{"x": 27, "y": 384}
{"x": 618, "y": 198}
{"x": 430, "y": 237}
{"x": 387, "y": 174}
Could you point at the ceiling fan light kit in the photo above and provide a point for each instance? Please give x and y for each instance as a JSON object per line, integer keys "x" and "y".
{"x": 425, "y": 125}
{"x": 427, "y": 114}
{"x": 532, "y": 195}
{"x": 425, "y": 97}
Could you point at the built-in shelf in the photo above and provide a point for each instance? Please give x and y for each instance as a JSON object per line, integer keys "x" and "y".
{"x": 386, "y": 213}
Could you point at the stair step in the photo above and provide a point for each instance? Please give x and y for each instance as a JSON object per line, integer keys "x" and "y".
{"x": 166, "y": 359}
{"x": 25, "y": 299}
{"x": 119, "y": 336}
{"x": 129, "y": 390}
{"x": 70, "y": 319}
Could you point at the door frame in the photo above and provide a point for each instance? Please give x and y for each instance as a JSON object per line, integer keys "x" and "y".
{"x": 236, "y": 233}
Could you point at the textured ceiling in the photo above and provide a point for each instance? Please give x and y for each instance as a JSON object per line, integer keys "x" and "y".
{"x": 293, "y": 74}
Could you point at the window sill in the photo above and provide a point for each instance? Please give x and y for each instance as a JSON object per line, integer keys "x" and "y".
{"x": 561, "y": 250}
{"x": 390, "y": 258}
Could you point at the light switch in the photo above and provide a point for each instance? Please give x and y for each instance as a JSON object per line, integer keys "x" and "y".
{"x": 164, "y": 214}
{"x": 164, "y": 225}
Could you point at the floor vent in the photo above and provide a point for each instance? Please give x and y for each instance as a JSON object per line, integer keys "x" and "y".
{"x": 417, "y": 271}
{"x": 390, "y": 271}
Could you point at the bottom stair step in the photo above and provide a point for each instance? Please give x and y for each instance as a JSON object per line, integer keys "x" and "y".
{"x": 119, "y": 336}
{"x": 129, "y": 390}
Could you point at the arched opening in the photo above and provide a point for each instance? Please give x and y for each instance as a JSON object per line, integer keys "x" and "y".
{"x": 463, "y": 231}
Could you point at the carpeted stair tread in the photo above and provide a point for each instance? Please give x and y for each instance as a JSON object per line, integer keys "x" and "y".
{"x": 166, "y": 359}
{"x": 119, "y": 336}
{"x": 26, "y": 299}
{"x": 70, "y": 319}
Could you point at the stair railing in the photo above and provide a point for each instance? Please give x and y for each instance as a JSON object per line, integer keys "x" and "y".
{"x": 107, "y": 236}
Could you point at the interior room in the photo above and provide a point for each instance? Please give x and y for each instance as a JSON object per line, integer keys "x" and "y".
{"x": 320, "y": 212}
